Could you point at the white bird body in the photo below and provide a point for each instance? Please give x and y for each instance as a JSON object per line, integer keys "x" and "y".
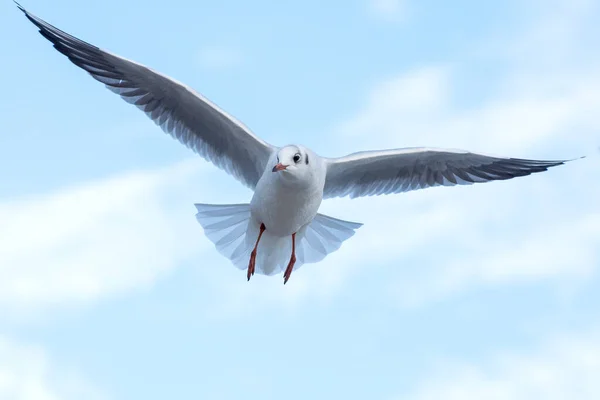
{"x": 285, "y": 202}
{"x": 281, "y": 209}
{"x": 281, "y": 225}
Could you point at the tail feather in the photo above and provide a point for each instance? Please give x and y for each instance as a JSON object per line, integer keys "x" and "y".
{"x": 322, "y": 236}
{"x": 234, "y": 232}
{"x": 225, "y": 225}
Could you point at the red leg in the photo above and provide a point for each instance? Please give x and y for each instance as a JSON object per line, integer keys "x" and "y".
{"x": 290, "y": 267}
{"x": 252, "y": 264}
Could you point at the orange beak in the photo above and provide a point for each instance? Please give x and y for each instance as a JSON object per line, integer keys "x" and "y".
{"x": 279, "y": 167}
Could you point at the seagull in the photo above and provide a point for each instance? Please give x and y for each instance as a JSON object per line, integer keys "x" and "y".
{"x": 281, "y": 228}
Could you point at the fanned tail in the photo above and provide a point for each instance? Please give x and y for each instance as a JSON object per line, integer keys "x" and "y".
{"x": 234, "y": 232}
{"x": 322, "y": 236}
{"x": 226, "y": 226}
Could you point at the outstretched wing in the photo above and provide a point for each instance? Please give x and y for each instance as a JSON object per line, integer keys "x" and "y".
{"x": 393, "y": 171}
{"x": 177, "y": 109}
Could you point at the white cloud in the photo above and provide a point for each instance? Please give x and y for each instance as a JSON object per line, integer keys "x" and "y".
{"x": 84, "y": 243}
{"x": 399, "y": 102}
{"x": 451, "y": 230}
{"x": 390, "y": 10}
{"x": 542, "y": 227}
{"x": 555, "y": 36}
{"x": 26, "y": 373}
{"x": 530, "y": 100}
{"x": 112, "y": 236}
{"x": 416, "y": 109}
{"x": 563, "y": 252}
{"x": 562, "y": 369}
{"x": 219, "y": 57}
{"x": 105, "y": 237}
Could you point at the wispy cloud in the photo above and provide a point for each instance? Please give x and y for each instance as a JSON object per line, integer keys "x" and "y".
{"x": 416, "y": 108}
{"x": 105, "y": 237}
{"x": 388, "y": 10}
{"x": 562, "y": 251}
{"x": 565, "y": 367}
{"x": 26, "y": 373}
{"x": 486, "y": 234}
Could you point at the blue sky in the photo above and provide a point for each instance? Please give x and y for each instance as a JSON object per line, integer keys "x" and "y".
{"x": 108, "y": 289}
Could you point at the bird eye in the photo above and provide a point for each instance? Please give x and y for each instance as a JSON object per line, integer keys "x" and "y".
{"x": 296, "y": 157}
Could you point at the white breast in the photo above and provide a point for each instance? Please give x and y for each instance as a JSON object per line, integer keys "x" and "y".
{"x": 283, "y": 207}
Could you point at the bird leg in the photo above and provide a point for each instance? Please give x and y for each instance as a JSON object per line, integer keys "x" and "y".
{"x": 252, "y": 264}
{"x": 290, "y": 267}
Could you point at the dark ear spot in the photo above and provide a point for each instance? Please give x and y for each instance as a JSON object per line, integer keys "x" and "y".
{"x": 306, "y": 158}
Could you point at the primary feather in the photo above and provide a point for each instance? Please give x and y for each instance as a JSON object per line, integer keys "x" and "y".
{"x": 178, "y": 109}
{"x": 371, "y": 173}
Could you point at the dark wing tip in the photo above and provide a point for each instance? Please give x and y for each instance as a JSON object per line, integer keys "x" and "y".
{"x": 545, "y": 163}
{"x": 20, "y": 7}
{"x": 572, "y": 159}
{"x": 64, "y": 42}
{"x": 35, "y": 20}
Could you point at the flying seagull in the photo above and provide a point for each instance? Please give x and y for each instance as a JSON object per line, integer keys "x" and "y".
{"x": 281, "y": 228}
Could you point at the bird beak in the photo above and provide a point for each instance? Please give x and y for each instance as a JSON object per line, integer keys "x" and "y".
{"x": 279, "y": 167}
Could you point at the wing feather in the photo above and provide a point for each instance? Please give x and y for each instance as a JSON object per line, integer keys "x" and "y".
{"x": 393, "y": 171}
{"x": 179, "y": 110}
